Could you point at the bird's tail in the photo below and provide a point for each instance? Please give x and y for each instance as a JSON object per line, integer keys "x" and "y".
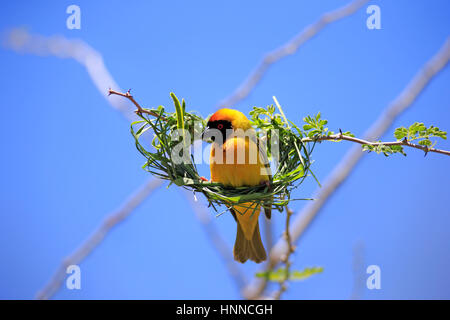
{"x": 249, "y": 249}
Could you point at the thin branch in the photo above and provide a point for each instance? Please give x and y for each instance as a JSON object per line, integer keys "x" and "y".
{"x": 289, "y": 48}
{"x": 341, "y": 172}
{"x": 21, "y": 41}
{"x": 285, "y": 258}
{"x": 97, "y": 237}
{"x": 404, "y": 142}
{"x": 139, "y": 110}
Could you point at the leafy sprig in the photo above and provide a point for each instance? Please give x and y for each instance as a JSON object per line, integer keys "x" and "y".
{"x": 418, "y": 131}
{"x": 316, "y": 130}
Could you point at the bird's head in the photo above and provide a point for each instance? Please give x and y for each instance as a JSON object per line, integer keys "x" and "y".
{"x": 226, "y": 121}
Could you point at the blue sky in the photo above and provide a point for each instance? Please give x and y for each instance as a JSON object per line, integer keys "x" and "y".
{"x": 69, "y": 159}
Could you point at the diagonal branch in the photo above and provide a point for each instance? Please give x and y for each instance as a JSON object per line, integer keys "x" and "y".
{"x": 97, "y": 237}
{"x": 289, "y": 48}
{"x": 21, "y": 41}
{"x": 341, "y": 172}
{"x": 285, "y": 258}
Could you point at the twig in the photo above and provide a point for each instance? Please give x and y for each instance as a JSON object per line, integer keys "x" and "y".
{"x": 285, "y": 258}
{"x": 289, "y": 48}
{"x": 139, "y": 110}
{"x": 341, "y": 172}
{"x": 97, "y": 237}
{"x": 404, "y": 142}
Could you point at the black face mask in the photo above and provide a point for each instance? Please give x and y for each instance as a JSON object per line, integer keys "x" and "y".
{"x": 223, "y": 126}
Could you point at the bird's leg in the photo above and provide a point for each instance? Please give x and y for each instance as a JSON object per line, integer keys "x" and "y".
{"x": 267, "y": 205}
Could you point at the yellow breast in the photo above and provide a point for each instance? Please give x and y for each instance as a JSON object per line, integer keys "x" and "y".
{"x": 237, "y": 163}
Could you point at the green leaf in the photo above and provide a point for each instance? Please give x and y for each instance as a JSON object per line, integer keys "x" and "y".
{"x": 398, "y": 149}
{"x": 183, "y": 181}
{"x": 280, "y": 274}
{"x": 348, "y": 133}
{"x": 179, "y": 111}
{"x": 400, "y": 133}
{"x": 305, "y": 273}
{"x": 426, "y": 142}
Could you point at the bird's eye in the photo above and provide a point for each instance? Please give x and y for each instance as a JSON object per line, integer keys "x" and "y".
{"x": 220, "y": 126}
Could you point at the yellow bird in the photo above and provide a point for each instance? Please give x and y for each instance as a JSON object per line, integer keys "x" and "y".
{"x": 236, "y": 160}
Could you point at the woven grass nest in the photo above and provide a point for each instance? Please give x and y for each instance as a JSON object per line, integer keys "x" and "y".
{"x": 292, "y": 168}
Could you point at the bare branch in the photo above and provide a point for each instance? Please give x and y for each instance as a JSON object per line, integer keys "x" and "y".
{"x": 341, "y": 172}
{"x": 285, "y": 258}
{"x": 21, "y": 41}
{"x": 131, "y": 98}
{"x": 289, "y": 48}
{"x": 97, "y": 237}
